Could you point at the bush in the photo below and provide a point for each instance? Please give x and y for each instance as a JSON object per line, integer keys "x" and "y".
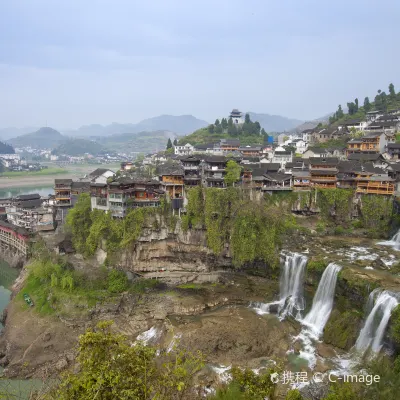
{"x": 339, "y": 230}
{"x": 293, "y": 395}
{"x": 117, "y": 281}
{"x": 317, "y": 265}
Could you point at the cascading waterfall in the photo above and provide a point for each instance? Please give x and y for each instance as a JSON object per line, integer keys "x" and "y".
{"x": 394, "y": 241}
{"x": 291, "y": 299}
{"x": 316, "y": 319}
{"x": 292, "y": 285}
{"x": 321, "y": 308}
{"x": 371, "y": 335}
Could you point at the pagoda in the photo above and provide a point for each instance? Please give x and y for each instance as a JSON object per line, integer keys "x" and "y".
{"x": 236, "y": 116}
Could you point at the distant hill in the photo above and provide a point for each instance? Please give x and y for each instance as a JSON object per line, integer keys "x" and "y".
{"x": 275, "y": 123}
{"x": 6, "y": 148}
{"x": 182, "y": 125}
{"x": 12, "y": 132}
{"x": 78, "y": 147}
{"x": 142, "y": 142}
{"x": 45, "y": 138}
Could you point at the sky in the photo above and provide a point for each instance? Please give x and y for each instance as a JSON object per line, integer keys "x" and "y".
{"x": 67, "y": 63}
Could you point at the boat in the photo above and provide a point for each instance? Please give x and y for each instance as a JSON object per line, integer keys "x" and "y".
{"x": 28, "y": 300}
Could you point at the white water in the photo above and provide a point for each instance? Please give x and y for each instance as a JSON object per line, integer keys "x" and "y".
{"x": 291, "y": 299}
{"x": 393, "y": 242}
{"x": 321, "y": 308}
{"x": 316, "y": 319}
{"x": 371, "y": 335}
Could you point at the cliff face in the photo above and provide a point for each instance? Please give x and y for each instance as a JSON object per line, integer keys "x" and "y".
{"x": 174, "y": 257}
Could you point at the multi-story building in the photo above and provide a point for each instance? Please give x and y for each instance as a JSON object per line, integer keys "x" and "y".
{"x": 184, "y": 150}
{"x": 123, "y": 194}
{"x": 372, "y": 142}
{"x": 62, "y": 189}
{"x": 393, "y": 149}
{"x": 213, "y": 171}
{"x": 252, "y": 151}
{"x": 171, "y": 178}
{"x": 191, "y": 168}
{"x": 323, "y": 172}
{"x": 229, "y": 145}
{"x": 372, "y": 183}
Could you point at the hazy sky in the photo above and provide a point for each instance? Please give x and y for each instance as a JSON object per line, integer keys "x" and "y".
{"x": 74, "y": 62}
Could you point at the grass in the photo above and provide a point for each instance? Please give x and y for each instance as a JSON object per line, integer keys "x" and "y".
{"x": 140, "y": 286}
{"x": 43, "y": 172}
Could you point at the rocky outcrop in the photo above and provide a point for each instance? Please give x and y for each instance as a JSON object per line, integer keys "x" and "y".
{"x": 173, "y": 257}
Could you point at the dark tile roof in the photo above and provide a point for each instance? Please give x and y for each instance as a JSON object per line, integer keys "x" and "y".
{"x": 282, "y": 153}
{"x": 98, "y": 172}
{"x": 230, "y": 142}
{"x": 393, "y": 146}
{"x": 324, "y": 160}
{"x": 322, "y": 172}
{"x": 277, "y": 176}
{"x": 317, "y": 150}
{"x": 170, "y": 169}
{"x": 32, "y": 196}
{"x": 190, "y": 158}
{"x": 272, "y": 166}
{"x": 63, "y": 181}
{"x": 215, "y": 159}
{"x": 395, "y": 167}
{"x": 17, "y": 229}
{"x": 30, "y": 203}
{"x": 80, "y": 185}
{"x": 364, "y": 157}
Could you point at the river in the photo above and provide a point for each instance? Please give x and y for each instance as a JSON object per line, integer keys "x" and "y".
{"x": 44, "y": 190}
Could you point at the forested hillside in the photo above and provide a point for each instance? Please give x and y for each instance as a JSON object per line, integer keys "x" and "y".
{"x": 6, "y": 148}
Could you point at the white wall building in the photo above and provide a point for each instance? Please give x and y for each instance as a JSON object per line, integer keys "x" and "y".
{"x": 185, "y": 150}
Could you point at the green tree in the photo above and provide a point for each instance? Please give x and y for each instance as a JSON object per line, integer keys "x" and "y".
{"x": 356, "y": 105}
{"x": 79, "y": 221}
{"x": 216, "y": 123}
{"x": 392, "y": 92}
{"x": 211, "y": 128}
{"x": 247, "y": 119}
{"x": 230, "y": 121}
{"x": 367, "y": 105}
{"x": 218, "y": 129}
{"x": 113, "y": 369}
{"x": 175, "y": 142}
{"x": 224, "y": 123}
{"x": 232, "y": 175}
{"x": 169, "y": 144}
{"x": 339, "y": 112}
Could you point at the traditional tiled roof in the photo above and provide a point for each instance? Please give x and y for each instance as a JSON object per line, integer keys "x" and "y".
{"x": 271, "y": 176}
{"x": 98, "y": 172}
{"x": 63, "y": 181}
{"x": 364, "y": 157}
{"x": 32, "y": 196}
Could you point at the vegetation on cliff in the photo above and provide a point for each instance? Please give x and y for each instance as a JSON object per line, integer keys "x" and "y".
{"x": 113, "y": 368}
{"x": 252, "y": 230}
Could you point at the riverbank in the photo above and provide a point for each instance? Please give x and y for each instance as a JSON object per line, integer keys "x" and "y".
{"x": 46, "y": 177}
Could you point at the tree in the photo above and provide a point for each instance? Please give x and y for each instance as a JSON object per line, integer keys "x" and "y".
{"x": 232, "y": 175}
{"x": 392, "y": 92}
{"x": 79, "y": 221}
{"x": 230, "y": 121}
{"x": 111, "y": 368}
{"x": 175, "y": 142}
{"x": 218, "y": 129}
{"x": 232, "y": 131}
{"x": 169, "y": 144}
{"x": 247, "y": 119}
{"x": 216, "y": 123}
{"x": 356, "y": 105}
{"x": 211, "y": 128}
{"x": 224, "y": 123}
{"x": 339, "y": 112}
{"x": 351, "y": 107}
{"x": 367, "y": 105}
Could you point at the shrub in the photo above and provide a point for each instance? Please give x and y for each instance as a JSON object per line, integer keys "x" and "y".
{"x": 117, "y": 281}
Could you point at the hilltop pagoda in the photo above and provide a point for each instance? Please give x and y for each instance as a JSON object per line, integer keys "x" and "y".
{"x": 236, "y": 116}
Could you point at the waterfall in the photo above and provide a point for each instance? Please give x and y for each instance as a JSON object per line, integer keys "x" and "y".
{"x": 291, "y": 300}
{"x": 291, "y": 285}
{"x": 371, "y": 335}
{"x": 323, "y": 300}
{"x": 394, "y": 241}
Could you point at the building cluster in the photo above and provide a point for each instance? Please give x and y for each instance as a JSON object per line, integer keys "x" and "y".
{"x": 32, "y": 212}
{"x": 14, "y": 162}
